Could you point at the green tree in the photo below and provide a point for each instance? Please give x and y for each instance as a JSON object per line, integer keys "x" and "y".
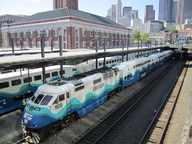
{"x": 136, "y": 35}
{"x": 171, "y": 30}
{"x": 144, "y": 37}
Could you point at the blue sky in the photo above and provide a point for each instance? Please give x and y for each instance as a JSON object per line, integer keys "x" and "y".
{"x": 98, "y": 7}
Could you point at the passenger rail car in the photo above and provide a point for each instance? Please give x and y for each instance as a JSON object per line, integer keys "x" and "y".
{"x": 131, "y": 71}
{"x": 17, "y": 87}
{"x": 56, "y": 104}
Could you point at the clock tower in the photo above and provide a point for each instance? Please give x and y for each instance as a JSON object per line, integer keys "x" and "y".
{"x": 58, "y": 4}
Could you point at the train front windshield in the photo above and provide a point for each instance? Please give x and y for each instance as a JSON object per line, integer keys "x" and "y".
{"x": 42, "y": 99}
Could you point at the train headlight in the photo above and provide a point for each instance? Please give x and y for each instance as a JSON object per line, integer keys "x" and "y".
{"x": 37, "y": 109}
{"x": 28, "y": 105}
{"x": 22, "y": 121}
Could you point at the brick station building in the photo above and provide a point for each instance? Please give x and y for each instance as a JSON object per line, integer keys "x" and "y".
{"x": 78, "y": 29}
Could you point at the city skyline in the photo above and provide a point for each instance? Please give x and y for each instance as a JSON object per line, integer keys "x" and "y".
{"x": 26, "y": 6}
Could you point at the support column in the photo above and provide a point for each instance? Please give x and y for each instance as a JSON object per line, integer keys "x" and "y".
{"x": 104, "y": 51}
{"x": 127, "y": 49}
{"x": 60, "y": 45}
{"x": 61, "y": 69}
{"x": 42, "y": 46}
{"x": 43, "y": 74}
{"x": 12, "y": 42}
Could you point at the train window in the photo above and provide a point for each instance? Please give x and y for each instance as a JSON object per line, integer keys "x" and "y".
{"x": 68, "y": 95}
{"x": 110, "y": 74}
{"x": 63, "y": 72}
{"x": 79, "y": 88}
{"x": 38, "y": 99}
{"x": 74, "y": 69}
{"x": 4, "y": 85}
{"x": 27, "y": 79}
{"x": 54, "y": 74}
{"x": 115, "y": 60}
{"x": 100, "y": 64}
{"x": 46, "y": 99}
{"x": 115, "y": 71}
{"x": 105, "y": 76}
{"x": 16, "y": 82}
{"x": 18, "y": 98}
{"x": 47, "y": 75}
{"x": 125, "y": 77}
{"x": 56, "y": 101}
{"x": 112, "y": 61}
{"x": 28, "y": 95}
{"x": 128, "y": 76}
{"x": 107, "y": 62}
{"x": 62, "y": 97}
{"x": 38, "y": 77}
{"x": 97, "y": 81}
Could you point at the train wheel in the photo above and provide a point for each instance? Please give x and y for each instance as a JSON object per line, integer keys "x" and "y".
{"x": 35, "y": 137}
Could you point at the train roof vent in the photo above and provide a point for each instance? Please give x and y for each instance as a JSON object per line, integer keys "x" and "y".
{"x": 58, "y": 83}
{"x": 78, "y": 83}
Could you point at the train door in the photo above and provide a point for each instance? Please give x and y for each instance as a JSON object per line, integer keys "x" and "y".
{"x": 68, "y": 102}
{"x": 131, "y": 78}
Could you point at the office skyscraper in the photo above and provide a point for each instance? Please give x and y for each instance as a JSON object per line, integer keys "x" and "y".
{"x": 161, "y": 9}
{"x": 168, "y": 10}
{"x": 58, "y": 4}
{"x": 165, "y": 10}
{"x": 134, "y": 14}
{"x": 127, "y": 10}
{"x": 184, "y": 11}
{"x": 118, "y": 10}
{"x": 113, "y": 12}
{"x": 174, "y": 12}
{"x": 149, "y": 13}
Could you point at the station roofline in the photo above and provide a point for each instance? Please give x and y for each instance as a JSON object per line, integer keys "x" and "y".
{"x": 67, "y": 12}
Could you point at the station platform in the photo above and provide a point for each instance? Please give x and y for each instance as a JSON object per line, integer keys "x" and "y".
{"x": 180, "y": 126}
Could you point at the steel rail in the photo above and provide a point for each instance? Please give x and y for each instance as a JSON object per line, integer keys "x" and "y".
{"x": 162, "y": 106}
{"x": 143, "y": 95}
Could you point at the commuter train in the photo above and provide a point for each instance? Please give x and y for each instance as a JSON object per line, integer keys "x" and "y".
{"x": 17, "y": 87}
{"x": 56, "y": 104}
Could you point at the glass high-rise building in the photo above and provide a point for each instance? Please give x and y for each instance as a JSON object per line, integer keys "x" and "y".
{"x": 165, "y": 10}
{"x": 127, "y": 10}
{"x": 161, "y": 9}
{"x": 184, "y": 11}
{"x": 174, "y": 12}
{"x": 149, "y": 13}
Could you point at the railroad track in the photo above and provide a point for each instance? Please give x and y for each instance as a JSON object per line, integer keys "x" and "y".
{"x": 101, "y": 131}
{"x": 20, "y": 141}
{"x": 156, "y": 130}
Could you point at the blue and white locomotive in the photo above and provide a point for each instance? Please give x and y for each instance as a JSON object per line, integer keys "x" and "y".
{"x": 56, "y": 104}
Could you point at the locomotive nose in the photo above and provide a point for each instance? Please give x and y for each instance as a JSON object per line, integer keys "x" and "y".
{"x": 27, "y": 119}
